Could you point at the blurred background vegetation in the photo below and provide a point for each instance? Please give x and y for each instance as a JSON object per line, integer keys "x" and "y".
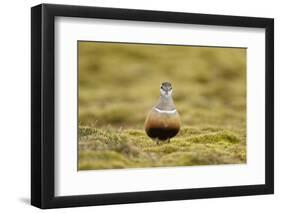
{"x": 119, "y": 83}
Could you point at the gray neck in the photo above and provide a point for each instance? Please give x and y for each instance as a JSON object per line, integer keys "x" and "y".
{"x": 165, "y": 103}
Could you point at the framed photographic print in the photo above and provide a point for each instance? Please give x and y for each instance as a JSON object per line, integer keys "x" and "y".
{"x": 139, "y": 106}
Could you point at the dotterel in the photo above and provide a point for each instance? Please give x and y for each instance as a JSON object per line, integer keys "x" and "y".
{"x": 163, "y": 121}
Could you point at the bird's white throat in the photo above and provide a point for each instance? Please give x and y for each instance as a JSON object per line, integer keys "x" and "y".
{"x": 165, "y": 94}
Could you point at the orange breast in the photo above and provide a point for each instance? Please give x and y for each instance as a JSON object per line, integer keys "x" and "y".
{"x": 162, "y": 125}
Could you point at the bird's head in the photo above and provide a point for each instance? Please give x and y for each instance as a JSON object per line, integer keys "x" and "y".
{"x": 166, "y": 89}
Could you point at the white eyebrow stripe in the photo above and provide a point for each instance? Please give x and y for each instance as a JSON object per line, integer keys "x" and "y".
{"x": 165, "y": 111}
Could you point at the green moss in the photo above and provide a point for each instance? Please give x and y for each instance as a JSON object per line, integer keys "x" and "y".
{"x": 102, "y": 160}
{"x": 163, "y": 149}
{"x": 216, "y": 137}
{"x": 111, "y": 148}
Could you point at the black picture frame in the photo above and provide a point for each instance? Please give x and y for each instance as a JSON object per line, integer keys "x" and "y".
{"x": 43, "y": 102}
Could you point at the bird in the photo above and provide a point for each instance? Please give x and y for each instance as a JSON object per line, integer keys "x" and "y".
{"x": 163, "y": 121}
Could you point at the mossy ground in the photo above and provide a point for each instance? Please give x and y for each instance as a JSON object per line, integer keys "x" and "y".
{"x": 118, "y": 84}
